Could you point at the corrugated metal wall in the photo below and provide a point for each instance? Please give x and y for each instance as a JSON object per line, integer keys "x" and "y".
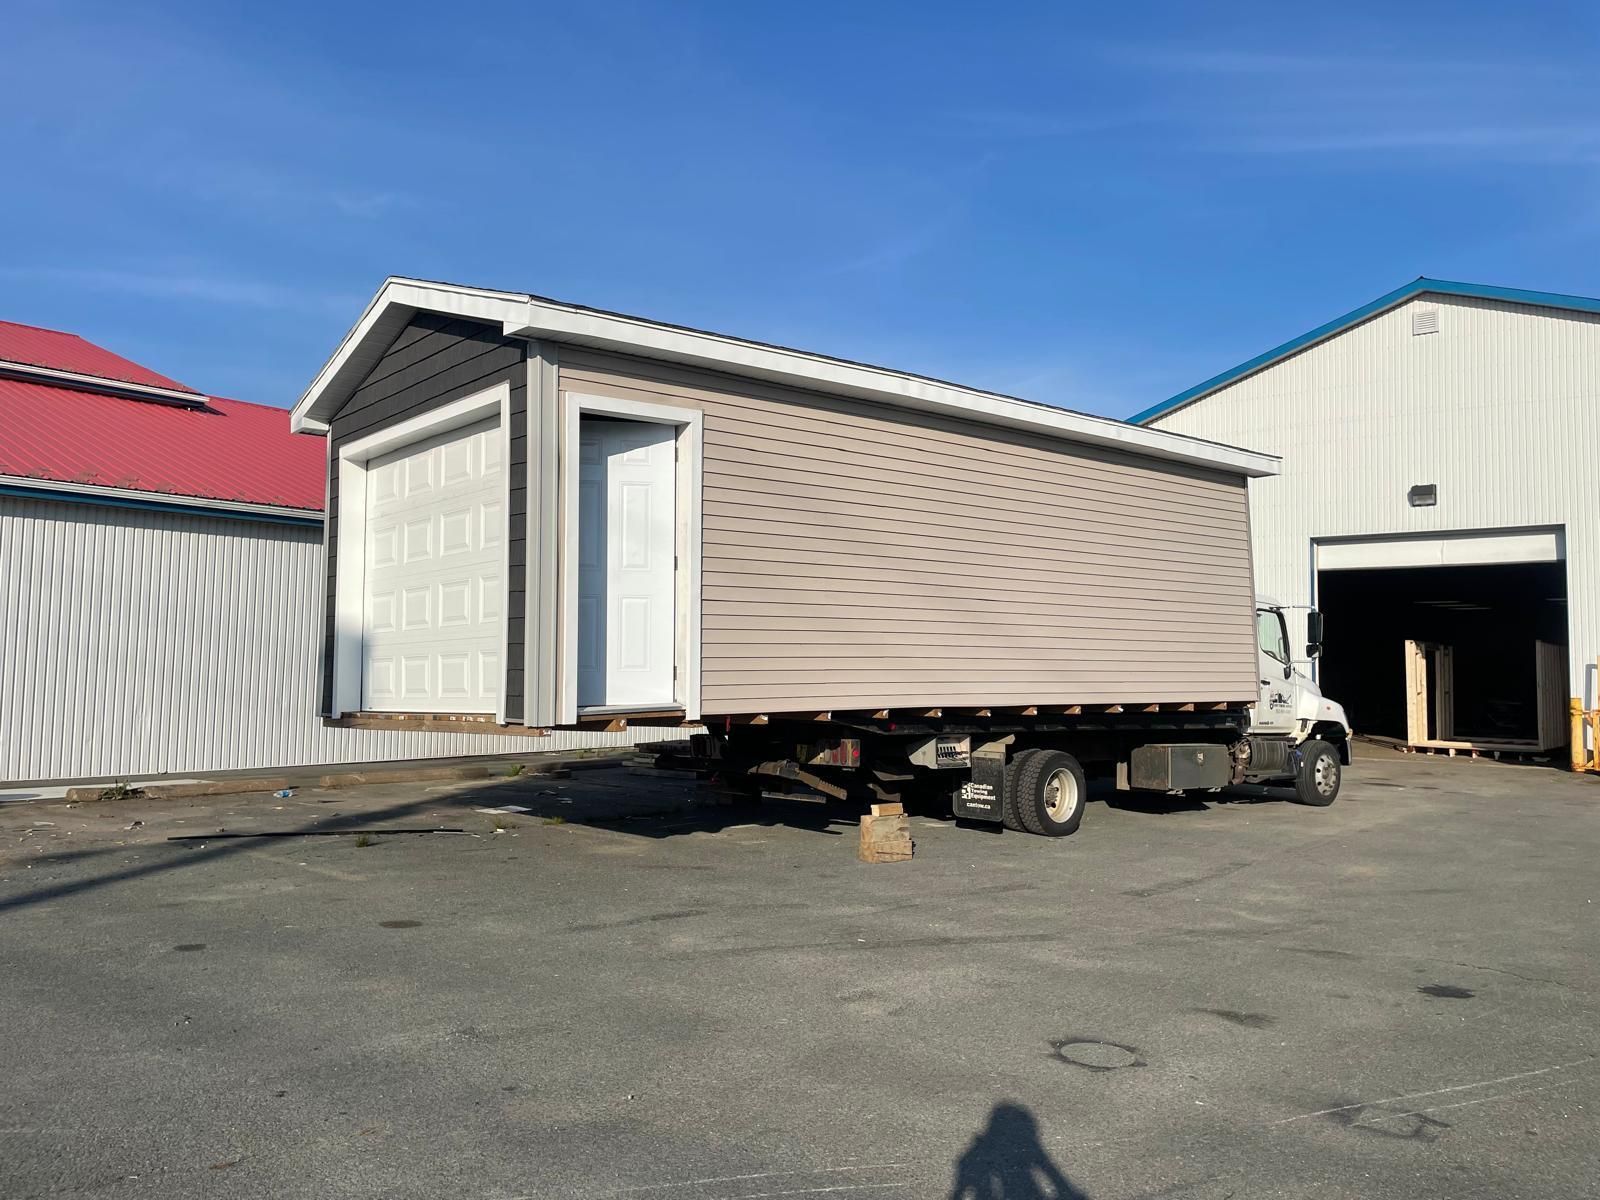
{"x": 136, "y": 642}
{"x": 1500, "y": 409}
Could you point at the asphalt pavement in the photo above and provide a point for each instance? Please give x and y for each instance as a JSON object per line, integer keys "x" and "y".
{"x": 631, "y": 991}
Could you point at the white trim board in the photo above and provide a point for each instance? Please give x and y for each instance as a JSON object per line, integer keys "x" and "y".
{"x": 350, "y": 571}
{"x": 525, "y": 316}
{"x": 1442, "y": 550}
{"x": 688, "y": 475}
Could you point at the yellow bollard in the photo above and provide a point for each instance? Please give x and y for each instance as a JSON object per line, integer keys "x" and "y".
{"x": 1580, "y": 757}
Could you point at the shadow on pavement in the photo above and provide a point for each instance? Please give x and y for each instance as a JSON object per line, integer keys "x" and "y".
{"x": 1006, "y": 1161}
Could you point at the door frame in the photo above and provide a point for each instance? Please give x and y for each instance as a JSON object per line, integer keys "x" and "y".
{"x": 349, "y": 625}
{"x": 687, "y": 473}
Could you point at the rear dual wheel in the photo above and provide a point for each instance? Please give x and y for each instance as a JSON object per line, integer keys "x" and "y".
{"x": 1045, "y": 793}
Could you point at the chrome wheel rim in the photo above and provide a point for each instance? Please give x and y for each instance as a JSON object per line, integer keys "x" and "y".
{"x": 1061, "y": 795}
{"x": 1325, "y": 775}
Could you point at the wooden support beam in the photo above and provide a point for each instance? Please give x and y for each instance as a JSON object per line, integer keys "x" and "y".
{"x": 1151, "y": 708}
{"x": 1073, "y": 710}
{"x": 433, "y": 723}
{"x": 982, "y": 712}
{"x": 933, "y": 712}
{"x": 1112, "y": 708}
{"x": 881, "y": 715}
{"x": 1185, "y": 708}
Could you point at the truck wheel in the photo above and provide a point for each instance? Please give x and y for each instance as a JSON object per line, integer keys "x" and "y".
{"x": 1317, "y": 780}
{"x": 1010, "y": 810}
{"x": 1048, "y": 792}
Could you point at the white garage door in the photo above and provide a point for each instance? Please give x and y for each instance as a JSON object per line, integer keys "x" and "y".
{"x": 435, "y": 574}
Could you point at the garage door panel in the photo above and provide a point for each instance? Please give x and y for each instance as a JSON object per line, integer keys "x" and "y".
{"x": 381, "y": 613}
{"x": 433, "y": 607}
{"x": 455, "y": 532}
{"x": 385, "y": 543}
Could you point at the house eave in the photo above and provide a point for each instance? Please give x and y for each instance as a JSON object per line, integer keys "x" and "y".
{"x": 525, "y": 316}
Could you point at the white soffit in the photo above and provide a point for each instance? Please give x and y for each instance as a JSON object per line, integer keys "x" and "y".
{"x": 1448, "y": 550}
{"x": 533, "y": 317}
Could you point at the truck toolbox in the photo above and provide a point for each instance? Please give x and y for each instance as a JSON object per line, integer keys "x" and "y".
{"x": 1179, "y": 767}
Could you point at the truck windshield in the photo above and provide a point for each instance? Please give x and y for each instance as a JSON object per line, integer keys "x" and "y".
{"x": 1271, "y": 635}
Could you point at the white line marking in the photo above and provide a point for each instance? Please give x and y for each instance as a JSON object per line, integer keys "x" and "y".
{"x": 1417, "y": 1112}
{"x": 1461, "y": 1087}
{"x": 652, "y": 1187}
{"x": 845, "y": 1187}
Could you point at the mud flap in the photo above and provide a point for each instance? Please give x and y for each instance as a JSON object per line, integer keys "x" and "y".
{"x": 983, "y": 797}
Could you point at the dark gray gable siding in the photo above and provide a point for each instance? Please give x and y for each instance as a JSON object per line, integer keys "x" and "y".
{"x": 434, "y": 360}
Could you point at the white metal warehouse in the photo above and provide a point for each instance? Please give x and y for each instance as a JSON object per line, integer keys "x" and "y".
{"x": 158, "y": 548}
{"x": 1437, "y": 501}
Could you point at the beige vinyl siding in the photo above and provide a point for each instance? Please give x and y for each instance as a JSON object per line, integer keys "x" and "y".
{"x": 858, "y": 556}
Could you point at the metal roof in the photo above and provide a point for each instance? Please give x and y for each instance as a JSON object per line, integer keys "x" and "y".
{"x": 224, "y": 450}
{"x": 59, "y": 351}
{"x": 60, "y": 436}
{"x": 1417, "y": 287}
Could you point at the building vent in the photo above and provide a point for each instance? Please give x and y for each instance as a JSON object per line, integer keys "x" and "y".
{"x": 1424, "y": 320}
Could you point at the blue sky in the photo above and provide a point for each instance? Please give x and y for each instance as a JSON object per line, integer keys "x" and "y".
{"x": 1091, "y": 205}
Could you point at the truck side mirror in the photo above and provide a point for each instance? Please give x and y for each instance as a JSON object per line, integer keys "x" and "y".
{"x": 1313, "y": 633}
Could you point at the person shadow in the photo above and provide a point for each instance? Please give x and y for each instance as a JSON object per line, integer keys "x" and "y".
{"x": 1007, "y": 1162}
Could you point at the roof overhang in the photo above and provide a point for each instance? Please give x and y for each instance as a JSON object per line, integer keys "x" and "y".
{"x": 526, "y": 316}
{"x": 141, "y": 498}
{"x": 1417, "y": 287}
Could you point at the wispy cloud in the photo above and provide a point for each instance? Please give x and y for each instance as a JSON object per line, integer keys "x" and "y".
{"x": 1378, "y": 104}
{"x": 1025, "y": 123}
{"x": 186, "y": 285}
{"x": 1561, "y": 143}
{"x": 1236, "y": 62}
{"x": 898, "y": 248}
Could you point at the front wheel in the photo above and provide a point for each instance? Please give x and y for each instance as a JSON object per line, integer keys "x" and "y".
{"x": 1318, "y": 777}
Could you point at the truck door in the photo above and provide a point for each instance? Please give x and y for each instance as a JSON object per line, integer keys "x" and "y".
{"x": 1274, "y": 711}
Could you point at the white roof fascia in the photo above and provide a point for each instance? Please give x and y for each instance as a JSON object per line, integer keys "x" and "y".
{"x": 532, "y": 317}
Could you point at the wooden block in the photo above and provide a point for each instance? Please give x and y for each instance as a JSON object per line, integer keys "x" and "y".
{"x": 888, "y": 810}
{"x": 885, "y": 838}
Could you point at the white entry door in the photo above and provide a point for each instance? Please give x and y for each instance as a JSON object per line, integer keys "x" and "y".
{"x": 626, "y": 541}
{"x": 435, "y": 576}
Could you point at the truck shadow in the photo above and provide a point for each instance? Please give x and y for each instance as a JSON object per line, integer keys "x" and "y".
{"x": 1161, "y": 804}
{"x": 613, "y": 798}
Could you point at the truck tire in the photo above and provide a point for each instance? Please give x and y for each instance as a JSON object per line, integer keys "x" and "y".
{"x": 1317, "y": 779}
{"x": 1047, "y": 792}
{"x": 1010, "y": 812}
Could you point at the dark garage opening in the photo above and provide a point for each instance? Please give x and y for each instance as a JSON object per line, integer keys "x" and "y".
{"x": 1492, "y": 617}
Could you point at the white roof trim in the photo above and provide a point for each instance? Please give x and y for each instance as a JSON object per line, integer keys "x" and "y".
{"x": 175, "y": 499}
{"x": 528, "y": 316}
{"x": 99, "y": 383}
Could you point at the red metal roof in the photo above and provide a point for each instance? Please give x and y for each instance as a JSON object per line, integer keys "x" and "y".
{"x": 68, "y": 352}
{"x": 221, "y": 450}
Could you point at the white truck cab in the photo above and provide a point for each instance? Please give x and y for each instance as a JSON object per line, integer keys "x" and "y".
{"x": 1292, "y": 708}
